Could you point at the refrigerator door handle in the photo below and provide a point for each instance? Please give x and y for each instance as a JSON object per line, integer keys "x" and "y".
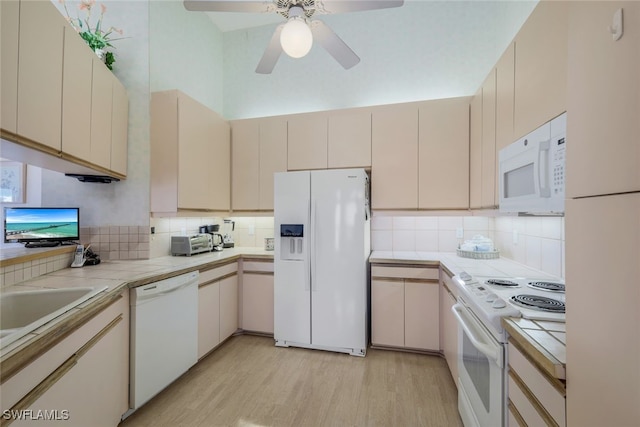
{"x": 314, "y": 225}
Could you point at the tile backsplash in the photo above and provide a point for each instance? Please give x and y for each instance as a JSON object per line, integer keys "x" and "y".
{"x": 117, "y": 242}
{"x": 16, "y": 273}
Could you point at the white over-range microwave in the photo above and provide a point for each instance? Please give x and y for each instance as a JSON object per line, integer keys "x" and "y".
{"x": 532, "y": 173}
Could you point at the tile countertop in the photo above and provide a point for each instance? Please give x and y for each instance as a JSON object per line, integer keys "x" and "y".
{"x": 116, "y": 276}
{"x": 543, "y": 342}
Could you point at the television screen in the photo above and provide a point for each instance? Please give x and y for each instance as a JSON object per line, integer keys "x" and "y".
{"x": 41, "y": 224}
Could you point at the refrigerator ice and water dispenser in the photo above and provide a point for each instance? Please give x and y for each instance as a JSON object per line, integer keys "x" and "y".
{"x": 292, "y": 242}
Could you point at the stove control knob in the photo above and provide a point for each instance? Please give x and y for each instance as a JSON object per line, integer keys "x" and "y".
{"x": 499, "y": 303}
{"x": 491, "y": 297}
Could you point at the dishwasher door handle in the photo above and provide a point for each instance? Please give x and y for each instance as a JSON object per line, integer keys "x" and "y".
{"x": 152, "y": 291}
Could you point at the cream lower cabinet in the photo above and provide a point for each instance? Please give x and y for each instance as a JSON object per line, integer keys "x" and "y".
{"x": 257, "y": 296}
{"x": 405, "y": 307}
{"x": 190, "y": 155}
{"x": 534, "y": 399}
{"x": 216, "y": 307}
{"x": 448, "y": 324}
{"x": 82, "y": 380}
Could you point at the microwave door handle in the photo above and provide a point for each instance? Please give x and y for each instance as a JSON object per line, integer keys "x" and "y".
{"x": 543, "y": 172}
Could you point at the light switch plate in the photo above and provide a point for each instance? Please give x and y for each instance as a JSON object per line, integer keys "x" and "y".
{"x": 459, "y": 233}
{"x": 515, "y": 237}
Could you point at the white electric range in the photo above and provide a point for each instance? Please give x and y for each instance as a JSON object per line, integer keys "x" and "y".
{"x": 482, "y": 341}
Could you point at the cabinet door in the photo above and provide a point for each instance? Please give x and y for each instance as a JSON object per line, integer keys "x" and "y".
{"x": 505, "y": 75}
{"x": 489, "y": 170}
{"x": 40, "y": 77}
{"x": 208, "y": 318}
{"x": 611, "y": 225}
{"x": 257, "y": 302}
{"x": 349, "y": 140}
{"x": 394, "y": 157}
{"x": 307, "y": 142}
{"x": 541, "y": 66}
{"x": 603, "y": 154}
{"x": 164, "y": 151}
{"x": 219, "y": 167}
{"x": 101, "y": 105}
{"x": 449, "y": 331}
{"x": 273, "y": 156}
{"x": 228, "y": 306}
{"x": 9, "y": 31}
{"x": 421, "y": 315}
{"x": 119, "y": 128}
{"x": 245, "y": 166}
{"x": 475, "y": 151}
{"x": 76, "y": 96}
{"x": 387, "y": 312}
{"x": 444, "y": 154}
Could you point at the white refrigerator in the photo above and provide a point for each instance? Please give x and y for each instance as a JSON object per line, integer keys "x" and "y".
{"x": 322, "y": 247}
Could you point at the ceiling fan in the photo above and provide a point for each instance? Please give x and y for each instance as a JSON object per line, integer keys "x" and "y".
{"x": 296, "y": 36}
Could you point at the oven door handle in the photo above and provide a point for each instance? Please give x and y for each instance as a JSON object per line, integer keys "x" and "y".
{"x": 479, "y": 338}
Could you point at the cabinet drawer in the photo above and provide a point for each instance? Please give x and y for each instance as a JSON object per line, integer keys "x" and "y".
{"x": 405, "y": 272}
{"x": 550, "y": 398}
{"x": 216, "y": 273}
{"x": 524, "y": 406}
{"x": 257, "y": 266}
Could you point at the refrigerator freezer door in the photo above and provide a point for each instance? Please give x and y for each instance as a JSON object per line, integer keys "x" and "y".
{"x": 338, "y": 260}
{"x": 292, "y": 306}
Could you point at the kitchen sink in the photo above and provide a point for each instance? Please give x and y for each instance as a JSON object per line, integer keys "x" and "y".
{"x": 24, "y": 312}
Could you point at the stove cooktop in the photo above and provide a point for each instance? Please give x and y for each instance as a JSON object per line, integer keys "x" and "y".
{"x": 539, "y": 303}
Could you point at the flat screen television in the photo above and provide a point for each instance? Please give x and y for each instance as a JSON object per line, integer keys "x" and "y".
{"x": 41, "y": 226}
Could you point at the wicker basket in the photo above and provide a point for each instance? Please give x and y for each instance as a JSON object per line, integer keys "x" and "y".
{"x": 478, "y": 255}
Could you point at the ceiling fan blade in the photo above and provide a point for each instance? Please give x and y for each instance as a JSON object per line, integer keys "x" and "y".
{"x": 344, "y": 6}
{"x": 333, "y": 44}
{"x": 271, "y": 53}
{"x": 229, "y": 6}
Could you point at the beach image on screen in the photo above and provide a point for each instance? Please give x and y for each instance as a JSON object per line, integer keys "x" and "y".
{"x": 41, "y": 224}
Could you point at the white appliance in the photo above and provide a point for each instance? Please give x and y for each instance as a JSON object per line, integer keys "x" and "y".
{"x": 532, "y": 170}
{"x": 164, "y": 335}
{"x": 482, "y": 341}
{"x": 322, "y": 248}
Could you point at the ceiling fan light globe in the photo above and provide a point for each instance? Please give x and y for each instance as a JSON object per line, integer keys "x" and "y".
{"x": 296, "y": 38}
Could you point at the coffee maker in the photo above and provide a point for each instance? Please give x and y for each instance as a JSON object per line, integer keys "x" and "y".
{"x": 218, "y": 239}
{"x": 227, "y": 238}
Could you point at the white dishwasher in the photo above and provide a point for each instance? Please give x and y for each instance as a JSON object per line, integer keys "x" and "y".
{"x": 164, "y": 335}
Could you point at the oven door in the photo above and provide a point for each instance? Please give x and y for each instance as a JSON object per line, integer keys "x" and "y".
{"x": 481, "y": 373}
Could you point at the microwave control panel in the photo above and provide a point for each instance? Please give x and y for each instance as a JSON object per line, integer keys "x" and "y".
{"x": 557, "y": 161}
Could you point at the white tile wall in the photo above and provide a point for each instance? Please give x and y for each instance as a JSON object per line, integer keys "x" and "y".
{"x": 13, "y": 274}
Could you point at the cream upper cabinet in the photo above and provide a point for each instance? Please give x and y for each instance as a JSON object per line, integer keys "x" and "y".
{"x": 9, "y": 32}
{"x": 489, "y": 166}
{"x": 259, "y": 149}
{"x": 40, "y": 76}
{"x": 505, "y": 89}
{"x": 443, "y": 144}
{"x": 394, "y": 157}
{"x": 541, "y": 66}
{"x": 603, "y": 112}
{"x": 119, "y": 128}
{"x": 190, "y": 155}
{"x": 307, "y": 141}
{"x": 349, "y": 139}
{"x": 101, "y": 105}
{"x": 245, "y": 167}
{"x": 76, "y": 96}
{"x": 475, "y": 151}
{"x": 273, "y": 157}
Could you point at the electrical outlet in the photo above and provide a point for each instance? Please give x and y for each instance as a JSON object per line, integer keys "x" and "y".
{"x": 515, "y": 237}
{"x": 459, "y": 233}
{"x": 252, "y": 230}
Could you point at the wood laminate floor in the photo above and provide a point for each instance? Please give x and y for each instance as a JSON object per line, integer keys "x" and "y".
{"x": 250, "y": 382}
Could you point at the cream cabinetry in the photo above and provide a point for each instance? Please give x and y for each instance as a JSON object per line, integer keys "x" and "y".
{"x": 40, "y": 73}
{"x": 101, "y": 105}
{"x": 119, "y": 128}
{"x": 603, "y": 156}
{"x": 488, "y": 155}
{"x": 505, "y": 90}
{"x": 259, "y": 149}
{"x": 443, "y": 142}
{"x": 448, "y": 324}
{"x": 541, "y": 66}
{"x": 307, "y": 141}
{"x": 349, "y": 139}
{"x": 475, "y": 151}
{"x": 534, "y": 399}
{"x": 394, "y": 157}
{"x": 216, "y": 307}
{"x": 257, "y": 296}
{"x": 405, "y": 307}
{"x": 96, "y": 355}
{"x": 9, "y": 32}
{"x": 190, "y": 155}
